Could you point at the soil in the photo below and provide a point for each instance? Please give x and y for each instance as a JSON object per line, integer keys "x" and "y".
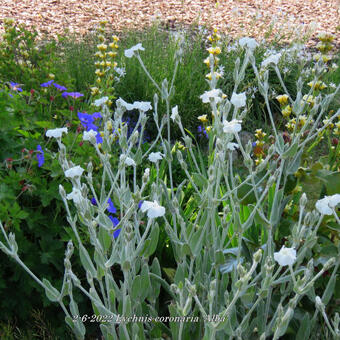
{"x": 237, "y": 18}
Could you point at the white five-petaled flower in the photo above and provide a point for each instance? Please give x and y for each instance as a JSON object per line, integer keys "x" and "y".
{"x": 153, "y": 208}
{"x": 232, "y": 146}
{"x": 76, "y": 171}
{"x": 212, "y": 94}
{"x": 131, "y": 51}
{"x": 248, "y": 42}
{"x": 75, "y": 195}
{"x": 155, "y": 156}
{"x": 101, "y": 101}
{"x": 88, "y": 135}
{"x": 232, "y": 127}
{"x": 326, "y": 205}
{"x": 174, "y": 113}
{"x": 273, "y": 59}
{"x": 128, "y": 161}
{"x": 285, "y": 257}
{"x": 56, "y": 133}
{"x": 238, "y": 99}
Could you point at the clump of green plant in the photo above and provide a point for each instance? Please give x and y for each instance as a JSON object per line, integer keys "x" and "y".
{"x": 249, "y": 254}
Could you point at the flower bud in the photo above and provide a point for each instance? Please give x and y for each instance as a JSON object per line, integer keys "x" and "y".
{"x": 257, "y": 256}
{"x": 303, "y": 200}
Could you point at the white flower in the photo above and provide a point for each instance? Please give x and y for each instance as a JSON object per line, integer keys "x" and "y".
{"x": 212, "y": 94}
{"x": 128, "y": 161}
{"x": 248, "y": 42}
{"x": 122, "y": 102}
{"x": 75, "y": 195}
{"x": 147, "y": 172}
{"x": 101, "y": 101}
{"x": 232, "y": 146}
{"x": 326, "y": 205}
{"x": 155, "y": 156}
{"x": 174, "y": 113}
{"x": 142, "y": 106}
{"x": 130, "y": 52}
{"x": 286, "y": 256}
{"x": 56, "y": 133}
{"x": 238, "y": 100}
{"x": 153, "y": 209}
{"x": 274, "y": 58}
{"x": 88, "y": 135}
{"x": 76, "y": 171}
{"x": 121, "y": 71}
{"x": 232, "y": 127}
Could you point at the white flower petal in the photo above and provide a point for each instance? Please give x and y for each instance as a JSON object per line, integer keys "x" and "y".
{"x": 56, "y": 133}
{"x": 101, "y": 101}
{"x": 155, "y": 156}
{"x": 238, "y": 100}
{"x": 174, "y": 113}
{"x": 212, "y": 94}
{"x": 232, "y": 127}
{"x": 286, "y": 256}
{"x": 76, "y": 171}
{"x": 131, "y": 51}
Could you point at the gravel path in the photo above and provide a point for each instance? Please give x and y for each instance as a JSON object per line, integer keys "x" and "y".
{"x": 239, "y": 18}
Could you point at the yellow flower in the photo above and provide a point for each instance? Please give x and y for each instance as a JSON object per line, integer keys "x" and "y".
{"x": 260, "y": 134}
{"x": 287, "y": 111}
{"x": 208, "y": 128}
{"x": 101, "y": 38}
{"x": 51, "y": 76}
{"x": 115, "y": 38}
{"x": 102, "y": 47}
{"x": 180, "y": 146}
{"x": 94, "y": 91}
{"x": 216, "y": 74}
{"x": 282, "y": 99}
{"x": 112, "y": 54}
{"x": 108, "y": 64}
{"x": 103, "y": 22}
{"x": 113, "y": 45}
{"x": 258, "y": 161}
{"x": 97, "y": 63}
{"x": 291, "y": 124}
{"x": 207, "y": 62}
{"x": 326, "y": 37}
{"x": 214, "y": 50}
{"x": 318, "y": 85}
{"x": 203, "y": 118}
{"x": 302, "y": 120}
{"x": 309, "y": 99}
{"x": 326, "y": 122}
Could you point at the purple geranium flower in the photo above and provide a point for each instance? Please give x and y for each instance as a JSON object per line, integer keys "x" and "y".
{"x": 93, "y": 201}
{"x": 111, "y": 208}
{"x": 40, "y": 156}
{"x": 47, "y": 84}
{"x": 74, "y": 95}
{"x": 254, "y": 144}
{"x": 140, "y": 204}
{"x": 59, "y": 87}
{"x": 15, "y": 86}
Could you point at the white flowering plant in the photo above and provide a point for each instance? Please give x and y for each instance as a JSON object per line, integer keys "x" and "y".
{"x": 235, "y": 277}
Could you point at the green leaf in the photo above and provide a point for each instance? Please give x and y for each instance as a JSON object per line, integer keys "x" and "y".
{"x": 51, "y": 292}
{"x": 86, "y": 261}
{"x": 151, "y": 242}
{"x": 44, "y": 124}
{"x": 329, "y": 290}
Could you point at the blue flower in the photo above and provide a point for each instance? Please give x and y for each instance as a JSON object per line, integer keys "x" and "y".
{"x": 47, "y": 84}
{"x": 64, "y": 94}
{"x": 97, "y": 115}
{"x": 93, "y": 201}
{"x": 15, "y": 86}
{"x": 140, "y": 204}
{"x": 115, "y": 222}
{"x": 40, "y": 156}
{"x": 111, "y": 208}
{"x": 74, "y": 95}
{"x": 254, "y": 144}
{"x": 86, "y": 120}
{"x": 59, "y": 87}
{"x": 99, "y": 138}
